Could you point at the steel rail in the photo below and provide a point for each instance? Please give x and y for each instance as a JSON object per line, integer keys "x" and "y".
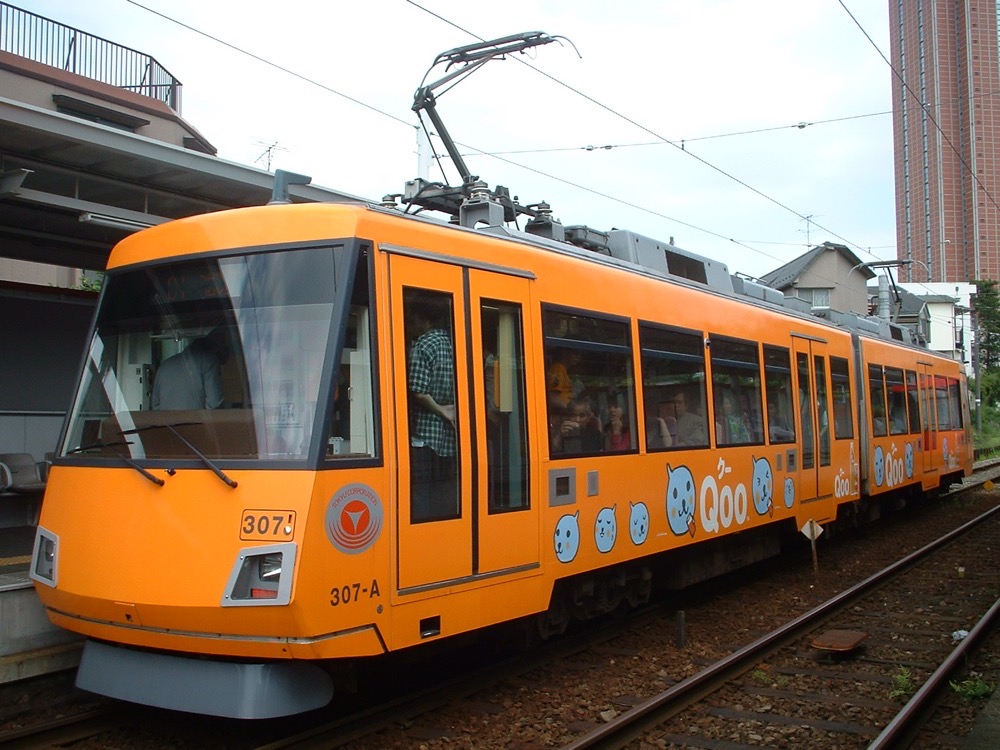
{"x": 648, "y": 714}
{"x": 905, "y": 724}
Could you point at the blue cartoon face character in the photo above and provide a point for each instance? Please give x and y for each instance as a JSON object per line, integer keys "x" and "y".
{"x": 638, "y": 522}
{"x": 879, "y": 466}
{"x": 605, "y": 530}
{"x": 909, "y": 460}
{"x": 763, "y": 487}
{"x": 680, "y": 500}
{"x": 567, "y": 538}
{"x": 789, "y": 492}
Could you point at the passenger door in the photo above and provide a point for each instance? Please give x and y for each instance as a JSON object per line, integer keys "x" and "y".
{"x": 816, "y": 475}
{"x": 505, "y": 517}
{"x": 434, "y": 505}
{"x": 480, "y": 519}
{"x": 928, "y": 416}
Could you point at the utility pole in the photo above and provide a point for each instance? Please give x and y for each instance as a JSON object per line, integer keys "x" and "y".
{"x": 977, "y": 358}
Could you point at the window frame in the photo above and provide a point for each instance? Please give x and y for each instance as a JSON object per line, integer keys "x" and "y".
{"x": 596, "y": 354}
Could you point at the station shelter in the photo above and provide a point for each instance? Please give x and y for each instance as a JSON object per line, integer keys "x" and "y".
{"x": 92, "y": 148}
{"x": 83, "y": 163}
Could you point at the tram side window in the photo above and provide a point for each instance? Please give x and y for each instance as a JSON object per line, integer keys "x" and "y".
{"x": 876, "y": 390}
{"x": 822, "y": 410}
{"x": 736, "y": 389}
{"x": 778, "y": 379}
{"x": 589, "y": 384}
{"x": 955, "y": 399}
{"x": 673, "y": 388}
{"x": 912, "y": 402}
{"x": 843, "y": 410}
{"x": 943, "y": 405}
{"x": 352, "y": 430}
{"x": 806, "y": 410}
{"x": 506, "y": 422}
{"x": 927, "y": 401}
{"x": 896, "y": 392}
{"x": 430, "y": 378}
{"x": 352, "y": 421}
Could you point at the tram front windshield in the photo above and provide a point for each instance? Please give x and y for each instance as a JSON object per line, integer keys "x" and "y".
{"x": 222, "y": 356}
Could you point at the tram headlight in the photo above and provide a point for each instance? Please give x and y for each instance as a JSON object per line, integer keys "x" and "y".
{"x": 270, "y": 567}
{"x": 45, "y": 558}
{"x": 261, "y": 576}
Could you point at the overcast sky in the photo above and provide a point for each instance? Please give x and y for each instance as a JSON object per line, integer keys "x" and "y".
{"x": 731, "y": 79}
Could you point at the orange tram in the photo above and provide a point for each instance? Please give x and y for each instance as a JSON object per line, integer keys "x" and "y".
{"x": 624, "y": 415}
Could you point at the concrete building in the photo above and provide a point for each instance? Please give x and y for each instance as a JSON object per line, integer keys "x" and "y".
{"x": 946, "y": 125}
{"x": 949, "y": 328}
{"x": 828, "y": 276}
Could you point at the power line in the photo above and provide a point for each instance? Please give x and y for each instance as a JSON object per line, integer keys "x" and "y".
{"x": 269, "y": 63}
{"x": 653, "y": 212}
{"x": 608, "y": 147}
{"x": 645, "y": 129}
{"x": 923, "y": 106}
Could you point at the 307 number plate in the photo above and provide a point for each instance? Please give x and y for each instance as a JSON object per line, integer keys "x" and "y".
{"x": 267, "y": 525}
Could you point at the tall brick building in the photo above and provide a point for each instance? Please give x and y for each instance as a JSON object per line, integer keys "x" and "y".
{"x": 946, "y": 130}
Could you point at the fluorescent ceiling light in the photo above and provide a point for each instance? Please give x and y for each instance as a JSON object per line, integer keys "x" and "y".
{"x": 114, "y": 222}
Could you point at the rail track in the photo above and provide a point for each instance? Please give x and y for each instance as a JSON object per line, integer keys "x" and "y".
{"x": 766, "y": 694}
{"x": 834, "y": 676}
{"x": 66, "y": 730}
{"x": 780, "y": 678}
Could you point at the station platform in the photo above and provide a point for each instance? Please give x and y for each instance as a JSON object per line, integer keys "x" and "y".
{"x": 986, "y": 734}
{"x": 30, "y": 645}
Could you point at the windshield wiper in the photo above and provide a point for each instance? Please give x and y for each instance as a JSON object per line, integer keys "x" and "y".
{"x": 204, "y": 459}
{"x": 151, "y": 477}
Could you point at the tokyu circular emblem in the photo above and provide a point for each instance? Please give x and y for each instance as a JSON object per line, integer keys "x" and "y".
{"x": 354, "y": 518}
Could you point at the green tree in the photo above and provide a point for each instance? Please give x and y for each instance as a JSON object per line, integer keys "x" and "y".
{"x": 987, "y": 308}
{"x": 92, "y": 283}
{"x": 990, "y": 387}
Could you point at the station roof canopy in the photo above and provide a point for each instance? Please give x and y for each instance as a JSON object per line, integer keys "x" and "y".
{"x": 71, "y": 188}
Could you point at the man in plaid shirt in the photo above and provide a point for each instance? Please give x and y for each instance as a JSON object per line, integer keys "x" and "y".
{"x": 433, "y": 445}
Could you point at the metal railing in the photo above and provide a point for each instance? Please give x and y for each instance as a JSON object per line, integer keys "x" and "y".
{"x": 50, "y": 43}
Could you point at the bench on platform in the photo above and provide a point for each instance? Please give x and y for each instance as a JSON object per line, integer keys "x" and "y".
{"x": 21, "y": 474}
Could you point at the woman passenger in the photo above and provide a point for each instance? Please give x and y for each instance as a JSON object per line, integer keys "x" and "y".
{"x": 617, "y": 436}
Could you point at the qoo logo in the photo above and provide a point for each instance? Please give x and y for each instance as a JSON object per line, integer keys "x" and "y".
{"x": 723, "y": 506}
{"x": 354, "y": 518}
{"x": 841, "y": 484}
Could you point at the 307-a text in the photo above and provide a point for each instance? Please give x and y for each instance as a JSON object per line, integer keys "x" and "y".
{"x": 353, "y": 592}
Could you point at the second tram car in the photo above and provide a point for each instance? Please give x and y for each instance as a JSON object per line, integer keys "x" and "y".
{"x": 616, "y": 414}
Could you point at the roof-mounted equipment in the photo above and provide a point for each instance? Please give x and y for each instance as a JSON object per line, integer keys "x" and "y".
{"x": 472, "y": 202}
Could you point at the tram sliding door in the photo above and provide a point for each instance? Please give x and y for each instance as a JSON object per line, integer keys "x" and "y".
{"x": 433, "y": 463}
{"x": 929, "y": 416}
{"x": 816, "y": 475}
{"x": 505, "y": 516}
{"x": 465, "y": 506}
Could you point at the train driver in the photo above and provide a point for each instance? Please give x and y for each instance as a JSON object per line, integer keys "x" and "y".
{"x": 192, "y": 379}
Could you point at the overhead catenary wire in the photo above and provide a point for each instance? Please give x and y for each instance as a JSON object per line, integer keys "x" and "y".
{"x": 410, "y": 125}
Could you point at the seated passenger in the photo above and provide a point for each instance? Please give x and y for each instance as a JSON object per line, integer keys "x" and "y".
{"x": 617, "y": 435}
{"x": 779, "y": 424}
{"x": 560, "y": 384}
{"x": 780, "y": 433}
{"x": 691, "y": 428}
{"x": 659, "y": 434}
{"x": 734, "y": 430}
{"x": 580, "y": 432}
